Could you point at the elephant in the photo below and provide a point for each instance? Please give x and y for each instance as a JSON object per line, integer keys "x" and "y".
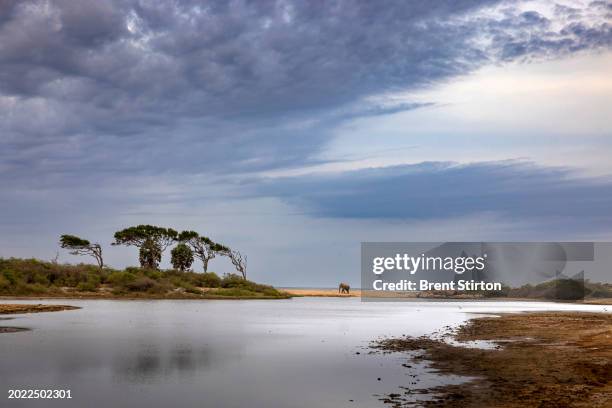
{"x": 344, "y": 288}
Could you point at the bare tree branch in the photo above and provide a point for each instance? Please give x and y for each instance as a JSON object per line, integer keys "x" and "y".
{"x": 239, "y": 261}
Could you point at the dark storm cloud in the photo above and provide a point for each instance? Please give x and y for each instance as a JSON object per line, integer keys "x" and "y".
{"x": 434, "y": 190}
{"x": 191, "y": 87}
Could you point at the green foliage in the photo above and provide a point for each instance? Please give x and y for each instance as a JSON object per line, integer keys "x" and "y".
{"x": 556, "y": 289}
{"x": 182, "y": 257}
{"x": 599, "y": 290}
{"x": 139, "y": 234}
{"x": 209, "y": 280}
{"x": 32, "y": 276}
{"x": 152, "y": 273}
{"x": 72, "y": 241}
{"x": 185, "y": 236}
{"x": 91, "y": 285}
{"x": 9, "y": 275}
{"x": 220, "y": 248}
{"x": 25, "y": 277}
{"x": 233, "y": 281}
{"x": 189, "y": 288}
{"x": 568, "y": 289}
{"x": 5, "y": 284}
{"x": 118, "y": 278}
{"x": 151, "y": 240}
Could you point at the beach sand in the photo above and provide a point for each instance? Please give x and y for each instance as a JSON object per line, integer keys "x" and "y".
{"x": 325, "y": 292}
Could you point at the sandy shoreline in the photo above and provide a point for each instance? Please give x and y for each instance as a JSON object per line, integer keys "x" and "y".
{"x": 320, "y": 292}
{"x": 551, "y": 359}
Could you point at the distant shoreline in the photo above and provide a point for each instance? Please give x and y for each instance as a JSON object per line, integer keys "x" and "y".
{"x": 429, "y": 296}
{"x": 320, "y": 292}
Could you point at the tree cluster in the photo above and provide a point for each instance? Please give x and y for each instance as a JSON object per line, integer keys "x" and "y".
{"x": 152, "y": 241}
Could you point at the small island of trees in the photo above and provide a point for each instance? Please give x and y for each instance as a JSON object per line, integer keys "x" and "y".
{"x": 25, "y": 277}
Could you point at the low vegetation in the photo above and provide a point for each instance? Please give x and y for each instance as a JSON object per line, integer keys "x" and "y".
{"x": 558, "y": 289}
{"x": 32, "y": 277}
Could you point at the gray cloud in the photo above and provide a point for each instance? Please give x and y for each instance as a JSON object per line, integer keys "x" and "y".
{"x": 109, "y": 87}
{"x": 434, "y": 190}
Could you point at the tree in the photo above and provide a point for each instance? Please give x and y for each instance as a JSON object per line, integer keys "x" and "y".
{"x": 149, "y": 255}
{"x": 203, "y": 247}
{"x": 80, "y": 246}
{"x": 182, "y": 257}
{"x": 151, "y": 240}
{"x": 239, "y": 261}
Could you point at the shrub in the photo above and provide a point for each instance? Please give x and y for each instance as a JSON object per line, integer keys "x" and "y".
{"x": 10, "y": 276}
{"x": 31, "y": 289}
{"x": 88, "y": 286}
{"x": 567, "y": 289}
{"x": 141, "y": 284}
{"x": 120, "y": 278}
{"x": 232, "y": 280}
{"x": 192, "y": 289}
{"x": 235, "y": 292}
{"x": 153, "y": 274}
{"x": 160, "y": 288}
{"x": 209, "y": 280}
{"x": 5, "y": 284}
{"x": 91, "y": 285}
{"x": 601, "y": 293}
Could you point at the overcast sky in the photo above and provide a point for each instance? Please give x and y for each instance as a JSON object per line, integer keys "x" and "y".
{"x": 294, "y": 130}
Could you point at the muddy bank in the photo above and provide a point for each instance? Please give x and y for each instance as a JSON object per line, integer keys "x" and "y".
{"x": 12, "y": 329}
{"x": 541, "y": 360}
{"x": 18, "y": 308}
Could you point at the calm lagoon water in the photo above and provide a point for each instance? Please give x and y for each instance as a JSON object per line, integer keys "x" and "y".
{"x": 283, "y": 353}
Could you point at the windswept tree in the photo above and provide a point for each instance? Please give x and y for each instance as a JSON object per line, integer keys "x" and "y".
{"x": 182, "y": 257}
{"x": 240, "y": 262}
{"x": 80, "y": 246}
{"x": 151, "y": 240}
{"x": 203, "y": 247}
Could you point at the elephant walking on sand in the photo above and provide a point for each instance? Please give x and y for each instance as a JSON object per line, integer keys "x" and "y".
{"x": 344, "y": 288}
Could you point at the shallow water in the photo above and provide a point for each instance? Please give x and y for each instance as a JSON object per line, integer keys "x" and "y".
{"x": 283, "y": 353}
